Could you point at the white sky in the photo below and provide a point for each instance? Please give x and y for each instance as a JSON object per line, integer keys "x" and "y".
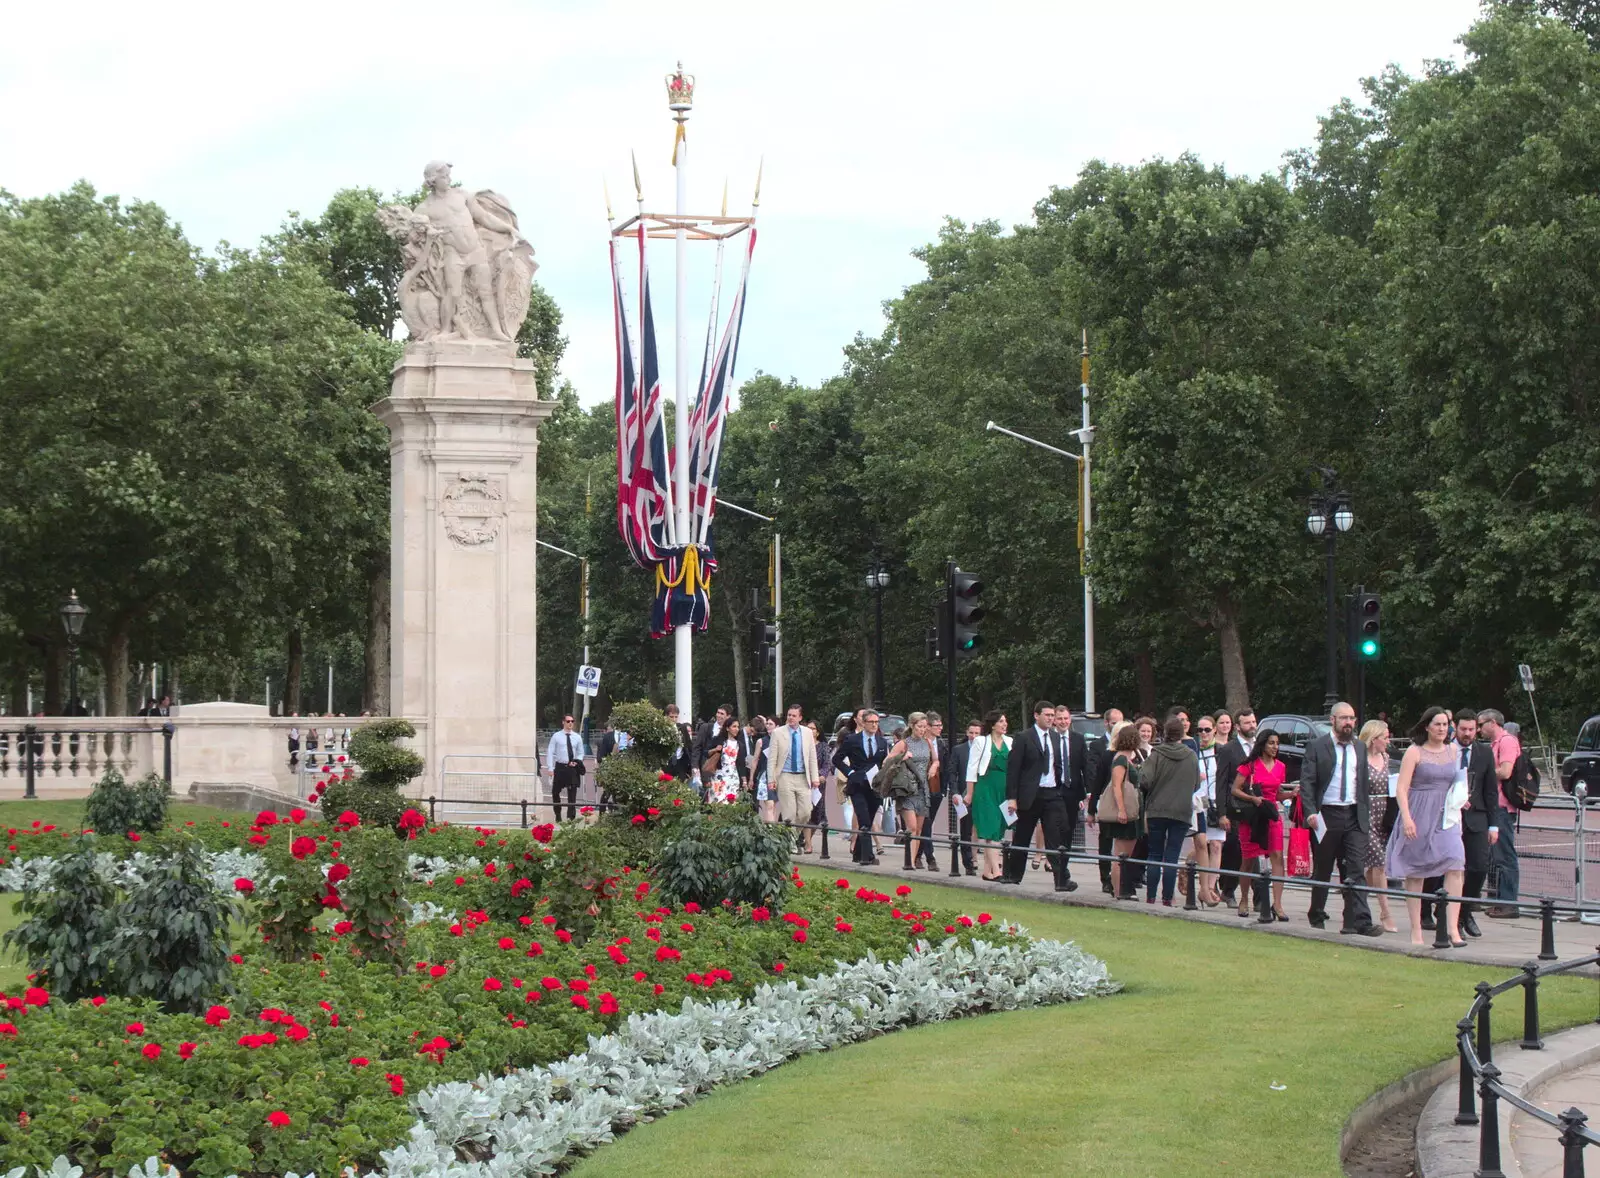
{"x": 876, "y": 120}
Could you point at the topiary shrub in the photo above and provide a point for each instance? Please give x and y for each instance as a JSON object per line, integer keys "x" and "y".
{"x": 632, "y": 778}
{"x": 115, "y": 807}
{"x": 71, "y": 921}
{"x": 724, "y": 853}
{"x": 385, "y": 767}
{"x": 374, "y": 895}
{"x": 171, "y": 940}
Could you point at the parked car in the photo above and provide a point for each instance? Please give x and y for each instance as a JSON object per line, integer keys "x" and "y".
{"x": 1294, "y": 733}
{"x": 1583, "y": 763}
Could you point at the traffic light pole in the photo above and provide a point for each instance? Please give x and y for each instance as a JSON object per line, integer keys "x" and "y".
{"x": 777, "y": 622}
{"x": 947, "y": 646}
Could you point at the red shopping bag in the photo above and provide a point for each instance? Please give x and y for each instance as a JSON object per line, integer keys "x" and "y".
{"x": 1299, "y": 850}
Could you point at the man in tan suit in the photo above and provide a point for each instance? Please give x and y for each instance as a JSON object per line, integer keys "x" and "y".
{"x": 792, "y": 766}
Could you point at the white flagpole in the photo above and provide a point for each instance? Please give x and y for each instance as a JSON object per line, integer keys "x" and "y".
{"x": 679, "y": 101}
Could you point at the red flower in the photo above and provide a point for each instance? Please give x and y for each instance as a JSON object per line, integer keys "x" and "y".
{"x": 638, "y": 820}
{"x": 551, "y": 983}
{"x": 297, "y": 816}
{"x": 236, "y": 958}
{"x": 949, "y": 928}
{"x": 608, "y": 1003}
{"x": 97, "y": 1000}
{"x": 964, "y": 921}
{"x": 639, "y": 975}
{"x": 397, "y": 1084}
{"x": 544, "y": 832}
{"x": 243, "y": 885}
{"x": 338, "y": 873}
{"x": 563, "y": 936}
{"x": 491, "y": 984}
{"x": 778, "y": 967}
{"x": 760, "y": 914}
{"x": 185, "y": 1050}
{"x": 919, "y": 927}
{"x": 841, "y": 883}
{"x": 152, "y": 1051}
{"x": 841, "y": 926}
{"x": 984, "y": 918}
{"x": 580, "y": 1002}
{"x": 535, "y": 949}
{"x": 664, "y": 777}
{"x": 800, "y": 936}
{"x": 686, "y": 927}
{"x": 8, "y": 1028}
{"x": 438, "y": 971}
{"x": 259, "y": 840}
{"x": 278, "y": 1119}
{"x": 579, "y": 984}
{"x": 33, "y": 996}
{"x": 668, "y": 953}
{"x": 522, "y": 885}
{"x": 133, "y": 836}
{"x": 903, "y": 890}
{"x": 297, "y": 1032}
{"x": 302, "y": 847}
{"x": 348, "y": 818}
{"x": 266, "y": 818}
{"x": 413, "y": 821}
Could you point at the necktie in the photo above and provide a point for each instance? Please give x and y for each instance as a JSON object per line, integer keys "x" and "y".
{"x": 871, "y": 747}
{"x": 1055, "y": 739}
{"x": 570, "y": 757}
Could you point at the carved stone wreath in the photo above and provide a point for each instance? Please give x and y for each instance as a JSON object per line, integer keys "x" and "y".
{"x": 474, "y": 508}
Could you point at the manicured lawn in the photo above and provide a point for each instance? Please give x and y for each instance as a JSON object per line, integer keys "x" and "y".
{"x": 1171, "y": 1077}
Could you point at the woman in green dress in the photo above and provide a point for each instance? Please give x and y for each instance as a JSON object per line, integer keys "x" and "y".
{"x": 1120, "y": 816}
{"x": 986, "y": 789}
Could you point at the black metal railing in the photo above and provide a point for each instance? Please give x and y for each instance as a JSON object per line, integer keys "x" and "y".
{"x": 1475, "y": 1047}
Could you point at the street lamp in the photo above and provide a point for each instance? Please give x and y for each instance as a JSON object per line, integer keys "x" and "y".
{"x": 1327, "y": 515}
{"x": 73, "y": 612}
{"x": 878, "y": 580}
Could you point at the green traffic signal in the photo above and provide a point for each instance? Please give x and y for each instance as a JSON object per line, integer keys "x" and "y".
{"x": 1369, "y": 649}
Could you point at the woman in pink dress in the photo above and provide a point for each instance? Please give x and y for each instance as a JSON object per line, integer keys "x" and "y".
{"x": 1261, "y": 780}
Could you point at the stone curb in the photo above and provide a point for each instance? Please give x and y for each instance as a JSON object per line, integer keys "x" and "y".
{"x": 1383, "y": 1102}
{"x": 1448, "y": 1150}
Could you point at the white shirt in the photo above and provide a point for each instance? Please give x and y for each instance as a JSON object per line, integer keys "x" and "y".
{"x": 1207, "y": 789}
{"x": 1341, "y": 789}
{"x": 568, "y": 744}
{"x": 1047, "y": 779}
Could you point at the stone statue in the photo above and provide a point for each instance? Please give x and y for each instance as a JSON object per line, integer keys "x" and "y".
{"x": 469, "y": 272}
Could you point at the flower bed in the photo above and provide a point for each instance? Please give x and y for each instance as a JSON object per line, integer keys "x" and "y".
{"x": 313, "y": 1065}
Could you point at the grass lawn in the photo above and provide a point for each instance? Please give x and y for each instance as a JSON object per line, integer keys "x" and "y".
{"x": 1170, "y": 1077}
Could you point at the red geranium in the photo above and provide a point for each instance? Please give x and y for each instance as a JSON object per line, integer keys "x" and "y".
{"x": 245, "y": 886}
{"x": 278, "y": 1119}
{"x": 297, "y": 816}
{"x": 185, "y": 1050}
{"x": 338, "y": 873}
{"x": 302, "y": 847}
{"x": 266, "y": 818}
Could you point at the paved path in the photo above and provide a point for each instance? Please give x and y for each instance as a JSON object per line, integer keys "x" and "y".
{"x": 1535, "y": 1145}
{"x": 1504, "y": 942}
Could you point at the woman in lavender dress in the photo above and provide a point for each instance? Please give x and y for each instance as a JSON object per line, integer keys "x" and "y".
{"x": 1426, "y": 840}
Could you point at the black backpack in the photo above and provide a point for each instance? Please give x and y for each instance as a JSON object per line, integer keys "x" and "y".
{"x": 1522, "y": 787}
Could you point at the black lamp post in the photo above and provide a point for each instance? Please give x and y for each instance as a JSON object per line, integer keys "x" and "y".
{"x": 1328, "y": 515}
{"x": 73, "y": 612}
{"x": 878, "y": 581}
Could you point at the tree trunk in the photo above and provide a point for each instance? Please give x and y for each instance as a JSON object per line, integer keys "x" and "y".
{"x": 1235, "y": 689}
{"x": 18, "y": 704}
{"x": 115, "y": 665}
{"x": 1147, "y": 682}
{"x": 741, "y": 677}
{"x": 869, "y": 683}
{"x": 55, "y": 679}
{"x": 375, "y": 684}
{"x": 291, "y": 678}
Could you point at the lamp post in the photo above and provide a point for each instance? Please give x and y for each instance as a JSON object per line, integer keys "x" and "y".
{"x": 878, "y": 581}
{"x": 1328, "y": 514}
{"x": 73, "y": 612}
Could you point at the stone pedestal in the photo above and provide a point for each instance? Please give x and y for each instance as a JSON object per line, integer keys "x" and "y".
{"x": 463, "y": 422}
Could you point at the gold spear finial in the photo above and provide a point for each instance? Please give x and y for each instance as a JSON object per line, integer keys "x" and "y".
{"x": 724, "y": 196}
{"x": 606, "y": 188}
{"x": 638, "y": 186}
{"x": 755, "y": 201}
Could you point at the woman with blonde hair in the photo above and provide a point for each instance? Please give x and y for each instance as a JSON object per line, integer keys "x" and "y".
{"x": 1375, "y": 735}
{"x": 919, "y": 752}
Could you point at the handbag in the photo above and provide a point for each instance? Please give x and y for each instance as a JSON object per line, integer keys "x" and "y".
{"x": 1299, "y": 843}
{"x": 713, "y": 763}
{"x": 895, "y": 779}
{"x": 1106, "y": 809}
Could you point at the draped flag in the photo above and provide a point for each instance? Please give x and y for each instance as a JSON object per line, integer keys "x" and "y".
{"x": 683, "y": 564}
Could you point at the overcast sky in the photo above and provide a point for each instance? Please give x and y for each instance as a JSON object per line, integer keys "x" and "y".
{"x": 875, "y": 120}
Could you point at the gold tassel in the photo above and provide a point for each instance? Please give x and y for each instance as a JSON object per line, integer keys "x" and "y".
{"x": 677, "y": 139}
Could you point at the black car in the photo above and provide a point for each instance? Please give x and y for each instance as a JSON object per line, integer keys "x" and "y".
{"x": 1294, "y": 734}
{"x": 1583, "y": 763}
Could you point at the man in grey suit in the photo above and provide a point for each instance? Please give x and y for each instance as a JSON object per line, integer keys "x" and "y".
{"x": 1333, "y": 786}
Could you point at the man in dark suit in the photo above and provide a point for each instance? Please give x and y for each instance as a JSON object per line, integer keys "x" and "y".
{"x": 860, "y": 754}
{"x": 960, "y": 757}
{"x": 563, "y": 760}
{"x": 1036, "y": 782}
{"x": 1231, "y": 754}
{"x": 1333, "y": 790}
{"x": 1480, "y": 822}
{"x": 707, "y": 737}
{"x": 678, "y": 763}
{"x": 1075, "y": 770}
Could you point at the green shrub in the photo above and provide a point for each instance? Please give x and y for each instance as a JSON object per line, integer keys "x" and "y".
{"x": 380, "y": 808}
{"x": 171, "y": 940}
{"x": 115, "y": 807}
{"x": 632, "y": 778}
{"x": 384, "y": 764}
{"x": 654, "y": 737}
{"x": 67, "y": 936}
{"x": 724, "y": 853}
{"x": 374, "y": 894}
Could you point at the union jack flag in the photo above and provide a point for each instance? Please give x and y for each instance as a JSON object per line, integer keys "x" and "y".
{"x": 644, "y": 496}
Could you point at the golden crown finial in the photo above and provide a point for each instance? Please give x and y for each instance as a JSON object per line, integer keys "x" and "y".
{"x": 680, "y": 90}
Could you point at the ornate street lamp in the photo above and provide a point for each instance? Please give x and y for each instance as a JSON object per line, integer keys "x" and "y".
{"x": 73, "y": 612}
{"x": 878, "y": 580}
{"x": 1328, "y": 514}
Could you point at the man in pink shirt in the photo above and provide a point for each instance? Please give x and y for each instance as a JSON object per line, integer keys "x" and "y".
{"x": 1507, "y": 748}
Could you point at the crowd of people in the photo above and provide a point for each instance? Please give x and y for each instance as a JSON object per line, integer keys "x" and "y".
{"x": 1215, "y": 791}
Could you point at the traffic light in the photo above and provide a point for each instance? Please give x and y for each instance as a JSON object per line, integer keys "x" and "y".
{"x": 1366, "y": 626}
{"x": 966, "y": 611}
{"x": 767, "y": 648}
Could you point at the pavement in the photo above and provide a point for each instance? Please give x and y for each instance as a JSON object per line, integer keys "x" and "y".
{"x": 1505, "y": 943}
